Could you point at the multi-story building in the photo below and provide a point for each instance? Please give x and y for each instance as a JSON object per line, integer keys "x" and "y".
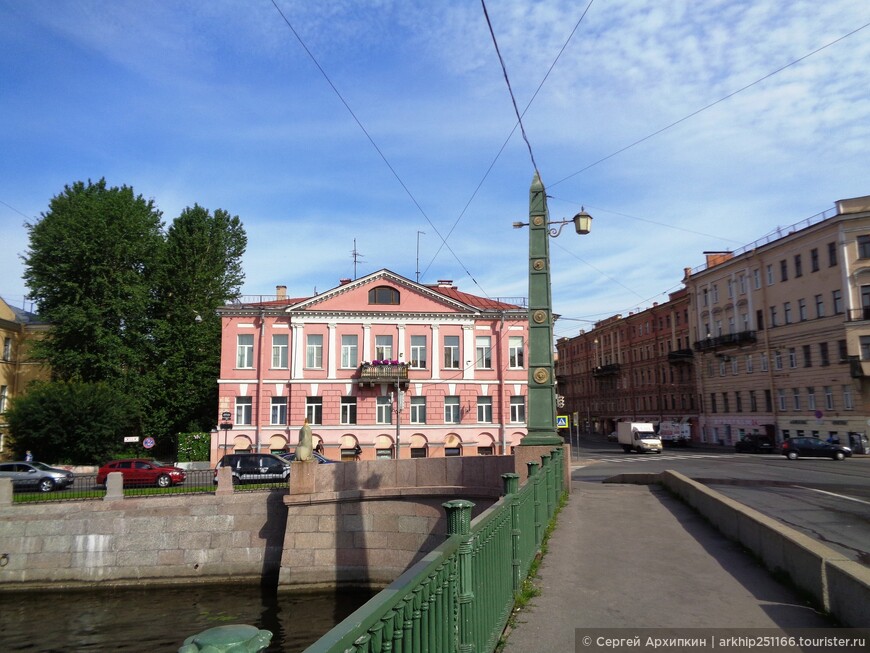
{"x": 380, "y": 363}
{"x": 18, "y": 328}
{"x": 637, "y": 368}
{"x": 781, "y": 331}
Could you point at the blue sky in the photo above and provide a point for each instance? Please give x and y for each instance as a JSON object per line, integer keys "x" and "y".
{"x": 218, "y": 104}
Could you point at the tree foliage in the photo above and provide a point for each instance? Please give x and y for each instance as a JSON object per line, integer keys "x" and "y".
{"x": 133, "y": 306}
{"x": 72, "y": 422}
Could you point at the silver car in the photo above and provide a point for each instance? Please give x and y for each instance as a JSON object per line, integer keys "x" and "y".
{"x": 35, "y": 476}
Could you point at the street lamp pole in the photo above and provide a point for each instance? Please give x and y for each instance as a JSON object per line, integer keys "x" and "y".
{"x": 398, "y": 410}
{"x": 541, "y": 380}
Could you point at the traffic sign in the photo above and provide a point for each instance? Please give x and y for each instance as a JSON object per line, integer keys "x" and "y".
{"x": 226, "y": 416}
{"x": 561, "y": 421}
{"x": 148, "y": 443}
{"x": 131, "y": 438}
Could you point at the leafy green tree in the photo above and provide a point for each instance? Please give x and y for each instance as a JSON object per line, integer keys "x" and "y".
{"x": 200, "y": 271}
{"x": 90, "y": 267}
{"x": 72, "y": 422}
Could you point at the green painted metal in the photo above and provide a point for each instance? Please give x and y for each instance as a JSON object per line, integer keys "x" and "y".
{"x": 458, "y": 598}
{"x": 542, "y": 378}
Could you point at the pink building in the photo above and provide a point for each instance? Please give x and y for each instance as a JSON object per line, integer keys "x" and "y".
{"x": 339, "y": 357}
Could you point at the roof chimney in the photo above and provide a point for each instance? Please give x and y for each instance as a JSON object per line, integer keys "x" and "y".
{"x": 281, "y": 292}
{"x": 445, "y": 283}
{"x": 343, "y": 282}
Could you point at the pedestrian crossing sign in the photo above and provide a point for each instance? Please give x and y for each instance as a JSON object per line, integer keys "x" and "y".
{"x": 561, "y": 421}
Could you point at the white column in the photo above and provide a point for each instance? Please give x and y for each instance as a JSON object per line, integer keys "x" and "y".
{"x": 330, "y": 350}
{"x": 469, "y": 351}
{"x": 436, "y": 358}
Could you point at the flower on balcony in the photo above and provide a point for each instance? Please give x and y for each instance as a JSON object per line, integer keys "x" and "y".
{"x": 383, "y": 362}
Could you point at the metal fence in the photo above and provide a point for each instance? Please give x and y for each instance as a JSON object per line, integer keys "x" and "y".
{"x": 460, "y": 596}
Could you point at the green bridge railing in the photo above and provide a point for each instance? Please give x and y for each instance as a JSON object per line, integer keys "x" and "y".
{"x": 459, "y": 597}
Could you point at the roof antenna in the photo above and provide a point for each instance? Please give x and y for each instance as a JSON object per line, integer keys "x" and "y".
{"x": 357, "y": 257}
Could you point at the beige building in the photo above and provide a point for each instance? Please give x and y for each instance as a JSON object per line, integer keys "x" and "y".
{"x": 781, "y": 331}
{"x": 18, "y": 328}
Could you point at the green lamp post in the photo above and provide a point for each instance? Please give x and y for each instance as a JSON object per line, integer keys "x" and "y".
{"x": 542, "y": 382}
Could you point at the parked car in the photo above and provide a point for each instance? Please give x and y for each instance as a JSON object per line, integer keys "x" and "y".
{"x": 794, "y": 448}
{"x": 319, "y": 457}
{"x": 142, "y": 471}
{"x": 255, "y": 467}
{"x": 612, "y": 437}
{"x": 755, "y": 443}
{"x": 35, "y": 476}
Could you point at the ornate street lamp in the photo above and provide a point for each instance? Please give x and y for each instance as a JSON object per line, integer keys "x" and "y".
{"x": 541, "y": 386}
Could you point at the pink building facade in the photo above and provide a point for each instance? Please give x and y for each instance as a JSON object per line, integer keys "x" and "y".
{"x": 338, "y": 358}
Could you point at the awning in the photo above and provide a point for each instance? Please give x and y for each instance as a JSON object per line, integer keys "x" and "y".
{"x": 418, "y": 441}
{"x": 383, "y": 442}
{"x": 452, "y": 440}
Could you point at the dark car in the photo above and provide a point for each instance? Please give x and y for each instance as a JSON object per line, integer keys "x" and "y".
{"x": 755, "y": 443}
{"x": 35, "y": 476}
{"x": 795, "y": 448}
{"x": 319, "y": 457}
{"x": 142, "y": 471}
{"x": 255, "y": 467}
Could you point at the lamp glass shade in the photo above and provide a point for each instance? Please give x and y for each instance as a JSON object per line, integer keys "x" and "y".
{"x": 583, "y": 223}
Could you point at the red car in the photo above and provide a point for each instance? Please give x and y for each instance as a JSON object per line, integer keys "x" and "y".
{"x": 142, "y": 471}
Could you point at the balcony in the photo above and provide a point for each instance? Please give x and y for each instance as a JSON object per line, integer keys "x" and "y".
{"x": 726, "y": 340}
{"x": 680, "y": 356}
{"x": 858, "y": 314}
{"x": 372, "y": 373}
{"x": 606, "y": 370}
{"x": 858, "y": 369}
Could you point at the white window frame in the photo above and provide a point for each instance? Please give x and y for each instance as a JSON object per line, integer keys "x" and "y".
{"x": 847, "y": 397}
{"x": 314, "y": 409}
{"x": 452, "y": 413}
{"x": 451, "y": 353}
{"x": 347, "y": 414}
{"x": 811, "y": 398}
{"x": 418, "y": 410}
{"x": 349, "y": 351}
{"x": 384, "y": 410}
{"x": 518, "y": 409}
{"x": 314, "y": 351}
{"x": 278, "y": 412}
{"x": 244, "y": 410}
{"x": 483, "y": 352}
{"x": 245, "y": 351}
{"x": 279, "y": 350}
{"x": 516, "y": 353}
{"x": 484, "y": 409}
{"x": 781, "y": 397}
{"x": 829, "y": 398}
{"x": 384, "y": 348}
{"x": 418, "y": 352}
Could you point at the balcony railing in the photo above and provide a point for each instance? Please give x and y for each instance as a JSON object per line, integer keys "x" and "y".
{"x": 857, "y": 368}
{"x": 680, "y": 356}
{"x": 725, "y": 340}
{"x": 606, "y": 370}
{"x": 858, "y": 314}
{"x": 371, "y": 373}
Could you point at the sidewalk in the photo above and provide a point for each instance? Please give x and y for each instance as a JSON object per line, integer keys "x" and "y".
{"x": 633, "y": 556}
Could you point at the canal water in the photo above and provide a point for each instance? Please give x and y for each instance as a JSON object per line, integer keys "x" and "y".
{"x": 159, "y": 619}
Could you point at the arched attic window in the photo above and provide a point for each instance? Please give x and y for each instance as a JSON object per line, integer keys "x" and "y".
{"x": 384, "y": 295}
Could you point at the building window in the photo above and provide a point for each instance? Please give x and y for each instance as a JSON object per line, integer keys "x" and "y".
{"x": 749, "y": 363}
{"x": 781, "y": 396}
{"x": 798, "y": 266}
{"x": 484, "y": 410}
{"x": 244, "y": 411}
{"x": 865, "y": 348}
{"x": 384, "y": 410}
{"x": 279, "y": 411}
{"x": 738, "y": 399}
{"x": 773, "y": 316}
{"x": 811, "y": 398}
{"x": 753, "y": 402}
{"x": 7, "y": 349}
{"x": 829, "y": 398}
{"x": 759, "y": 319}
{"x": 783, "y": 270}
{"x": 808, "y": 356}
{"x": 314, "y": 410}
{"x": 314, "y": 351}
{"x": 777, "y": 360}
{"x": 452, "y": 451}
{"x": 349, "y": 351}
{"x": 485, "y": 451}
{"x": 384, "y": 295}
{"x": 348, "y": 410}
{"x": 842, "y": 351}
{"x": 847, "y": 397}
{"x": 837, "y": 296}
{"x": 823, "y": 354}
{"x": 802, "y": 310}
{"x": 796, "y": 398}
{"x": 763, "y": 356}
{"x": 756, "y": 278}
{"x": 768, "y": 401}
{"x": 418, "y": 410}
{"x": 451, "y": 352}
{"x": 713, "y": 402}
{"x": 814, "y": 260}
{"x": 726, "y": 407}
{"x": 863, "y": 246}
{"x": 418, "y": 452}
{"x": 865, "y": 302}
{"x": 279, "y": 351}
{"x": 484, "y": 353}
{"x": 4, "y": 393}
{"x": 735, "y": 367}
{"x": 786, "y": 312}
{"x": 715, "y": 300}
{"x": 418, "y": 352}
{"x": 518, "y": 409}
{"x": 451, "y": 409}
{"x": 792, "y": 357}
{"x": 820, "y": 306}
{"x": 832, "y": 254}
{"x": 769, "y": 271}
{"x": 245, "y": 352}
{"x": 384, "y": 348}
{"x": 515, "y": 352}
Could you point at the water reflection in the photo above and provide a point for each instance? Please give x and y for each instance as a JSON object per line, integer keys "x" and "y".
{"x": 159, "y": 619}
